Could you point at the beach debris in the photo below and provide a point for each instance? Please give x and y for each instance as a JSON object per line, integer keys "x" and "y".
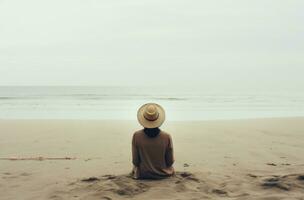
{"x": 219, "y": 192}
{"x": 107, "y": 198}
{"x": 186, "y": 165}
{"x": 25, "y": 174}
{"x": 286, "y": 164}
{"x": 252, "y": 175}
{"x": 109, "y": 176}
{"x": 301, "y": 177}
{"x": 271, "y": 164}
{"x": 39, "y": 158}
{"x": 91, "y": 179}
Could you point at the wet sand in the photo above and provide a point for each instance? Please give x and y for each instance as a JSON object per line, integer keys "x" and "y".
{"x": 231, "y": 159}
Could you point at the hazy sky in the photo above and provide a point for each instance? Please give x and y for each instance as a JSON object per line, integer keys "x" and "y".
{"x": 159, "y": 42}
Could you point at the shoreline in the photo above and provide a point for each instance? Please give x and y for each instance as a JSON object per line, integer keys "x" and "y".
{"x": 135, "y": 120}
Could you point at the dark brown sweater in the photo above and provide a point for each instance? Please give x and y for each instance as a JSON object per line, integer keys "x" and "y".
{"x": 152, "y": 156}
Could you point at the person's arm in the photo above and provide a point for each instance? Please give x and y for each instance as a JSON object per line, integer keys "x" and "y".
{"x": 169, "y": 153}
{"x": 135, "y": 154}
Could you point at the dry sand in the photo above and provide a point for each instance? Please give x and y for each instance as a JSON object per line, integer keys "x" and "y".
{"x": 233, "y": 159}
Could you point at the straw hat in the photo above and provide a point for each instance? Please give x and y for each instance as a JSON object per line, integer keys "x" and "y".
{"x": 151, "y": 115}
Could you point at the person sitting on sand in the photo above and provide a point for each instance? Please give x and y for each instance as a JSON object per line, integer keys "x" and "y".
{"x": 152, "y": 148}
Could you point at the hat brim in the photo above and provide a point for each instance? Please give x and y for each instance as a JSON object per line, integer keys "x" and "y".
{"x": 147, "y": 123}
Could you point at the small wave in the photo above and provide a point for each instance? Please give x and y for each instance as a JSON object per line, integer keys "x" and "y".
{"x": 170, "y": 98}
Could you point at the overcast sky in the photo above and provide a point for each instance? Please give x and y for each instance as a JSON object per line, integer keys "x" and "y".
{"x": 152, "y": 42}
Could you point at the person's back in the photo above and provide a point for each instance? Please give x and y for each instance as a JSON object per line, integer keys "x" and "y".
{"x": 152, "y": 154}
{"x": 152, "y": 148}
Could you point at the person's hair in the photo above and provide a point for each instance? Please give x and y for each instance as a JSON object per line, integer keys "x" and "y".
{"x": 152, "y": 132}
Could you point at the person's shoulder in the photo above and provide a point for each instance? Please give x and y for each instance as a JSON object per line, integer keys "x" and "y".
{"x": 165, "y": 134}
{"x": 139, "y": 132}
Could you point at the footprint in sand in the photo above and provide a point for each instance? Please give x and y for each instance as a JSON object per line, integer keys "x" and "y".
{"x": 275, "y": 183}
{"x": 106, "y": 198}
{"x": 25, "y": 174}
{"x": 219, "y": 192}
{"x": 187, "y": 176}
{"x": 284, "y": 183}
{"x": 8, "y": 175}
{"x": 91, "y": 179}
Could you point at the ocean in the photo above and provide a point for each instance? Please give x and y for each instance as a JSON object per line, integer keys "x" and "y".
{"x": 122, "y": 103}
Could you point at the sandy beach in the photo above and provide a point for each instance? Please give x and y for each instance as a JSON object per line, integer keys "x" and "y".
{"x": 223, "y": 78}
{"x": 79, "y": 159}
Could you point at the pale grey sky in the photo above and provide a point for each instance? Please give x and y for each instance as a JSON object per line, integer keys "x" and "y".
{"x": 159, "y": 42}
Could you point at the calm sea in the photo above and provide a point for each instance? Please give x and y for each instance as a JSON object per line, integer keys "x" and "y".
{"x": 123, "y": 102}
